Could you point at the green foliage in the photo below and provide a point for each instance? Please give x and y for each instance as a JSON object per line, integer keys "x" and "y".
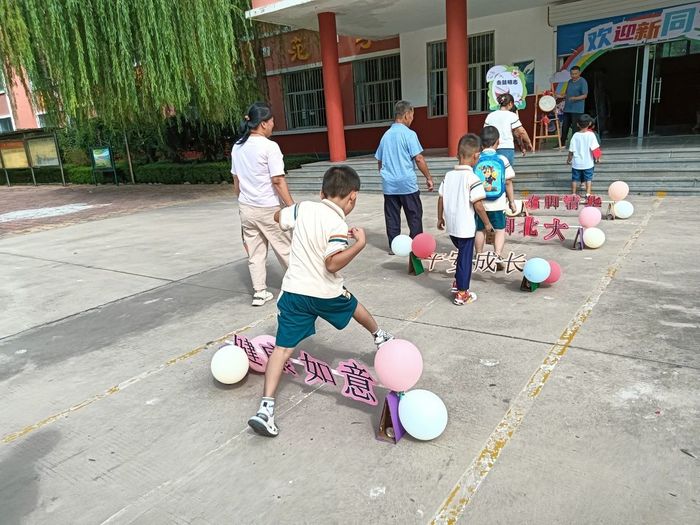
{"x": 133, "y": 61}
{"x": 170, "y": 173}
{"x": 154, "y": 173}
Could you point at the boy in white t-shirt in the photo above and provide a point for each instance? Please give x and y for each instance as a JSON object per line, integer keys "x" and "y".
{"x": 500, "y": 197}
{"x": 462, "y": 193}
{"x": 312, "y": 286}
{"x": 584, "y": 153}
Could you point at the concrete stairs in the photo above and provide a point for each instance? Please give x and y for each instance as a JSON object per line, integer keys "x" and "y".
{"x": 647, "y": 171}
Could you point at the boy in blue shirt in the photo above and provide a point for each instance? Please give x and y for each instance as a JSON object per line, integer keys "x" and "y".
{"x": 397, "y": 152}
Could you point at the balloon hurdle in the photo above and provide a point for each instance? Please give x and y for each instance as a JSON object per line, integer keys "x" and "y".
{"x": 398, "y": 365}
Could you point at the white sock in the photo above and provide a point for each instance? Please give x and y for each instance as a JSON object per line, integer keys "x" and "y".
{"x": 267, "y": 406}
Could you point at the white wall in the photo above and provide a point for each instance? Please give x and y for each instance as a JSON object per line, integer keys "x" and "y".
{"x": 520, "y": 35}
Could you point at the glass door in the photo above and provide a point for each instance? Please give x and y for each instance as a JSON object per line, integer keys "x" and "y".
{"x": 647, "y": 90}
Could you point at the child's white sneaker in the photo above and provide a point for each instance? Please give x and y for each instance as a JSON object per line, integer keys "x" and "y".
{"x": 264, "y": 424}
{"x": 381, "y": 337}
{"x": 260, "y": 298}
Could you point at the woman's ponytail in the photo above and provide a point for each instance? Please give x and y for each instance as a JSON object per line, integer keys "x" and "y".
{"x": 257, "y": 113}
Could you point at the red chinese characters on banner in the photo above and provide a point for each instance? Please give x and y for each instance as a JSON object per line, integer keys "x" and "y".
{"x": 510, "y": 225}
{"x": 530, "y": 227}
{"x": 625, "y": 32}
{"x": 572, "y": 202}
{"x": 533, "y": 202}
{"x": 359, "y": 383}
{"x": 595, "y": 200}
{"x": 555, "y": 227}
{"x": 551, "y": 201}
{"x": 647, "y": 30}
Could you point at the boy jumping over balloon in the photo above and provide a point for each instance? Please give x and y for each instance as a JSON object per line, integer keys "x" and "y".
{"x": 461, "y": 194}
{"x": 312, "y": 286}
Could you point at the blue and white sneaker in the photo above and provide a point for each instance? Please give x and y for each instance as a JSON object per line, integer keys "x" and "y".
{"x": 264, "y": 424}
{"x": 381, "y": 337}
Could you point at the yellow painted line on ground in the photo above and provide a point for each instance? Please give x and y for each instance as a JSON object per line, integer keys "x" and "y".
{"x": 9, "y": 438}
{"x": 463, "y": 491}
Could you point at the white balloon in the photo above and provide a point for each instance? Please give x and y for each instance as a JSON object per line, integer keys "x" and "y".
{"x": 623, "y": 209}
{"x": 593, "y": 237}
{"x": 229, "y": 364}
{"x": 422, "y": 414}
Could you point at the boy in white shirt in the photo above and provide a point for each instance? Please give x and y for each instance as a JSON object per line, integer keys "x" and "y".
{"x": 584, "y": 153}
{"x": 498, "y": 187}
{"x": 462, "y": 193}
{"x": 312, "y": 286}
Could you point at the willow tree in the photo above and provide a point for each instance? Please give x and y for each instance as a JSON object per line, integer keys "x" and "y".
{"x": 133, "y": 62}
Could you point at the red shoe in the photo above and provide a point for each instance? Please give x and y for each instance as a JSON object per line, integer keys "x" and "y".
{"x": 464, "y": 297}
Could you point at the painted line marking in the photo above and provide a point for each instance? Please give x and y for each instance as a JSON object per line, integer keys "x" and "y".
{"x": 466, "y": 487}
{"x": 9, "y": 438}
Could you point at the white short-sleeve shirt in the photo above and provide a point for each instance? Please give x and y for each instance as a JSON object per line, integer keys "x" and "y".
{"x": 255, "y": 163}
{"x": 505, "y": 122}
{"x": 501, "y": 203}
{"x": 320, "y": 231}
{"x": 459, "y": 190}
{"x": 582, "y": 145}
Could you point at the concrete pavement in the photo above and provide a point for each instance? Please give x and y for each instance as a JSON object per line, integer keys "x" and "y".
{"x": 110, "y": 413}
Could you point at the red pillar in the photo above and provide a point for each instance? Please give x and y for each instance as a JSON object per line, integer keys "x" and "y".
{"x": 331, "y": 86}
{"x": 457, "y": 64}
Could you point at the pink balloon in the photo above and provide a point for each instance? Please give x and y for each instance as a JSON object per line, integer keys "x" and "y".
{"x": 398, "y": 364}
{"x": 423, "y": 245}
{"x": 589, "y": 217}
{"x": 618, "y": 190}
{"x": 554, "y": 273}
{"x": 268, "y": 341}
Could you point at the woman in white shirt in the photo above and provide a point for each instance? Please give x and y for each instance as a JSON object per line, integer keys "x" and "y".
{"x": 257, "y": 166}
{"x": 508, "y": 124}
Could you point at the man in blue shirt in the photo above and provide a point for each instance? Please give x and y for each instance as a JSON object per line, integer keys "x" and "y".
{"x": 575, "y": 105}
{"x": 398, "y": 154}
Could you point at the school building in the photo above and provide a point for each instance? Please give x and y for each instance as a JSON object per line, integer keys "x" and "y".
{"x": 16, "y": 108}
{"x": 335, "y": 67}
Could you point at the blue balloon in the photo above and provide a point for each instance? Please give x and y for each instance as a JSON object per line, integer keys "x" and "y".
{"x": 536, "y": 270}
{"x": 422, "y": 414}
{"x": 401, "y": 245}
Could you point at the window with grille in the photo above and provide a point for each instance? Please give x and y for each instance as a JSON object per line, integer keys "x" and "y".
{"x": 304, "y": 105}
{"x": 5, "y": 124}
{"x": 481, "y": 59}
{"x": 377, "y": 88}
{"x": 437, "y": 79}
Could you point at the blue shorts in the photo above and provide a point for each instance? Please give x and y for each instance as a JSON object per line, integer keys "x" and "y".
{"x": 296, "y": 319}
{"x": 581, "y": 175}
{"x": 497, "y": 218}
{"x": 508, "y": 153}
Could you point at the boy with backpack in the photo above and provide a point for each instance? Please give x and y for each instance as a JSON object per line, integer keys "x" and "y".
{"x": 461, "y": 194}
{"x": 496, "y": 174}
{"x": 313, "y": 286}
